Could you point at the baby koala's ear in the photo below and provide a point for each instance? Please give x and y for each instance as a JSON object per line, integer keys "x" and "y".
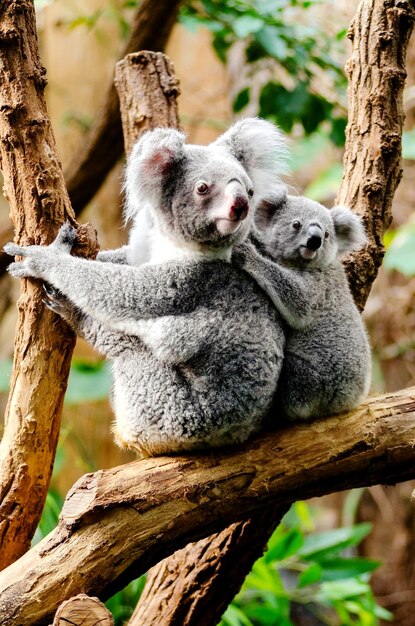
{"x": 349, "y": 229}
{"x": 261, "y": 148}
{"x": 269, "y": 207}
{"x": 152, "y": 157}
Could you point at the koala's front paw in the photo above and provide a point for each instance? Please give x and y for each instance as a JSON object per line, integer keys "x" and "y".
{"x": 244, "y": 254}
{"x": 30, "y": 267}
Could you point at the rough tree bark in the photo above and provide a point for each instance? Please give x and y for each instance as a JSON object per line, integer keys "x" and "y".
{"x": 118, "y": 522}
{"x": 376, "y": 71}
{"x": 147, "y": 90}
{"x": 39, "y": 203}
{"x": 82, "y": 610}
{"x": 380, "y": 33}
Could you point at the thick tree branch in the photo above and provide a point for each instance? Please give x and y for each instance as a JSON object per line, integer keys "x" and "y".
{"x": 39, "y": 203}
{"x": 380, "y": 33}
{"x": 103, "y": 144}
{"x": 118, "y": 522}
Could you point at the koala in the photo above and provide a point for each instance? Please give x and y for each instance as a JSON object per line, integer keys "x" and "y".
{"x": 195, "y": 343}
{"x": 294, "y": 254}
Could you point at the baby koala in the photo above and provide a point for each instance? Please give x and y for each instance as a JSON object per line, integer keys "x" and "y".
{"x": 295, "y": 255}
{"x": 195, "y": 343}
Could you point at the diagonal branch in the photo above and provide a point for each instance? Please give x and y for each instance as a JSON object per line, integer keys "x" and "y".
{"x": 117, "y": 522}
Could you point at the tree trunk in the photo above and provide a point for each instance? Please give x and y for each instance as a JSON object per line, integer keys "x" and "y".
{"x": 39, "y": 203}
{"x": 147, "y": 89}
{"x": 179, "y": 590}
{"x": 376, "y": 71}
{"x": 118, "y": 522}
{"x": 380, "y": 33}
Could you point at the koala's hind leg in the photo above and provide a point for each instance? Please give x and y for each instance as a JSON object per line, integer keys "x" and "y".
{"x": 302, "y": 393}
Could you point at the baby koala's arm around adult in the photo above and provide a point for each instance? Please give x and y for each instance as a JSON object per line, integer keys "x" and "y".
{"x": 106, "y": 291}
{"x": 292, "y": 291}
{"x": 118, "y": 256}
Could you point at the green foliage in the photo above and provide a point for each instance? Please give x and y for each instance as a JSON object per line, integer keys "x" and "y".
{"x": 123, "y": 603}
{"x": 400, "y": 249}
{"x": 408, "y": 144}
{"x": 308, "y": 568}
{"x": 270, "y": 30}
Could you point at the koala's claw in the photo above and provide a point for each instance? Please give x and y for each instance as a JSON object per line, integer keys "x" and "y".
{"x": 18, "y": 270}
{"x": 65, "y": 238}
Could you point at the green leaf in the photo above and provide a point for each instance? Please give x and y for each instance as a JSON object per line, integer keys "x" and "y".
{"x": 246, "y": 25}
{"x": 400, "y": 255}
{"x": 408, "y": 144}
{"x": 273, "y": 44}
{"x": 5, "y": 373}
{"x": 319, "y": 545}
{"x": 283, "y": 544}
{"x": 340, "y": 569}
{"x": 341, "y": 590}
{"x": 338, "y": 130}
{"x": 310, "y": 576}
{"x": 265, "y": 577}
{"x": 88, "y": 382}
{"x": 383, "y": 613}
{"x": 241, "y": 100}
{"x": 326, "y": 183}
{"x": 234, "y": 616}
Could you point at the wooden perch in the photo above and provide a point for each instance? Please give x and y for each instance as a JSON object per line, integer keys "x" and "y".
{"x": 118, "y": 522}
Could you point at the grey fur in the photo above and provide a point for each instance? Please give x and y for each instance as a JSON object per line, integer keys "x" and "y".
{"x": 196, "y": 345}
{"x": 327, "y": 362}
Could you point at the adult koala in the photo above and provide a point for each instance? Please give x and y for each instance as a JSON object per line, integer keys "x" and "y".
{"x": 295, "y": 255}
{"x": 196, "y": 345}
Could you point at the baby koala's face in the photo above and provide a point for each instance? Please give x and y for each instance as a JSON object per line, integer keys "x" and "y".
{"x": 304, "y": 234}
{"x": 305, "y": 237}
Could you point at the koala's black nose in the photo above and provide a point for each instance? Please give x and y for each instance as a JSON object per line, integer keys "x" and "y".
{"x": 239, "y": 208}
{"x": 314, "y": 242}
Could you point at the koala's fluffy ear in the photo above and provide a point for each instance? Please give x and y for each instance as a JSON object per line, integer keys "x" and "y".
{"x": 152, "y": 157}
{"x": 267, "y": 208}
{"x": 349, "y": 229}
{"x": 262, "y": 150}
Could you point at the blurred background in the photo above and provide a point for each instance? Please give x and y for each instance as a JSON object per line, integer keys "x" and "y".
{"x": 282, "y": 60}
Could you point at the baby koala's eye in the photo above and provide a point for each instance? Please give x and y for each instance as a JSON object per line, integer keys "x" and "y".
{"x": 296, "y": 224}
{"x": 326, "y": 234}
{"x": 201, "y": 188}
{"x": 250, "y": 192}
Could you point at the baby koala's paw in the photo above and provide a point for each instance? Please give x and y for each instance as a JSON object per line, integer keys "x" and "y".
{"x": 244, "y": 254}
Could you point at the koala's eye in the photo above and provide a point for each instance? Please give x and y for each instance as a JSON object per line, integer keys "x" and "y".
{"x": 296, "y": 224}
{"x": 201, "y": 188}
{"x": 250, "y": 192}
{"x": 326, "y": 234}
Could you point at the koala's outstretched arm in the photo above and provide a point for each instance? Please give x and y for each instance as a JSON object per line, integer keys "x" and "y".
{"x": 294, "y": 293}
{"x": 105, "y": 340}
{"x": 110, "y": 293}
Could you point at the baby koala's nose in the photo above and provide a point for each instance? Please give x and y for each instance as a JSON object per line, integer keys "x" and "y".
{"x": 314, "y": 242}
{"x": 239, "y": 208}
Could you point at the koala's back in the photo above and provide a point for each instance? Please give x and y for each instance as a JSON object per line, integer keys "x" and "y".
{"x": 219, "y": 393}
{"x": 328, "y": 363}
